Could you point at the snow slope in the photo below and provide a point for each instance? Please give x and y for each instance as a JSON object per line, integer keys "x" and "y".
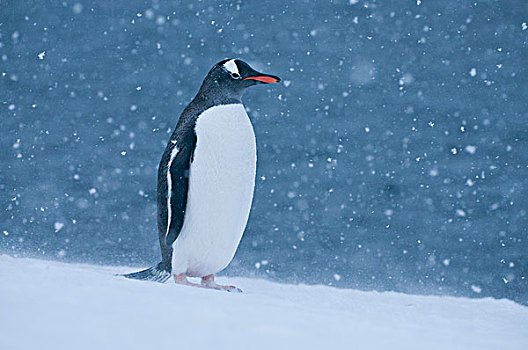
{"x": 53, "y": 305}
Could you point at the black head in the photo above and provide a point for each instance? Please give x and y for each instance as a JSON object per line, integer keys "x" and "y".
{"x": 228, "y": 79}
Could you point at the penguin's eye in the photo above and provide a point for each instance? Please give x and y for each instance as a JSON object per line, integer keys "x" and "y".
{"x": 235, "y": 75}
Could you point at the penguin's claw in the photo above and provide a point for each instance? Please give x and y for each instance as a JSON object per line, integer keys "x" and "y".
{"x": 232, "y": 289}
{"x": 229, "y": 289}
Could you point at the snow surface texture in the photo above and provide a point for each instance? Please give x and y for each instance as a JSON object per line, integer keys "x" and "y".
{"x": 53, "y": 305}
{"x": 393, "y": 155}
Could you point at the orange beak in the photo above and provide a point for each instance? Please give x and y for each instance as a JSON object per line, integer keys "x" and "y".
{"x": 264, "y": 79}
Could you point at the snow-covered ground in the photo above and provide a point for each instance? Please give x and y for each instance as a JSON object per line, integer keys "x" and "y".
{"x": 53, "y": 305}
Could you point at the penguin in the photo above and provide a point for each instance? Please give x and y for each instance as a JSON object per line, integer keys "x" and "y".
{"x": 206, "y": 179}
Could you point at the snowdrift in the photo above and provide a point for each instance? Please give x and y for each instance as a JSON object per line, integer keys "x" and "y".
{"x": 53, "y": 305}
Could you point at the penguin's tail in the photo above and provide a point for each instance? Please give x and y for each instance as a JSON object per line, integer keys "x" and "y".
{"x": 158, "y": 273}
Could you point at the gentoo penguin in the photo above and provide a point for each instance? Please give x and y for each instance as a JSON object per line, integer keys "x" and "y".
{"x": 206, "y": 179}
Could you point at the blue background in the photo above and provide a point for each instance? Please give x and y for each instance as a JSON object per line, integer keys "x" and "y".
{"x": 392, "y": 157}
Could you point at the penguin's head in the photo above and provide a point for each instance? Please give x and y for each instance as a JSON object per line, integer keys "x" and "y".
{"x": 231, "y": 77}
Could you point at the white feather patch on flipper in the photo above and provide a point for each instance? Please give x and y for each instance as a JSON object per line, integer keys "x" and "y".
{"x": 174, "y": 152}
{"x": 231, "y": 67}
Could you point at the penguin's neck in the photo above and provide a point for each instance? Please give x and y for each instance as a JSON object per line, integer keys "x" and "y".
{"x": 212, "y": 94}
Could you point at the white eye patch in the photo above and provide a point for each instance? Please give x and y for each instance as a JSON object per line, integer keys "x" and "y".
{"x": 231, "y": 67}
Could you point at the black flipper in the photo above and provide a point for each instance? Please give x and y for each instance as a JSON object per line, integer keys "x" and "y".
{"x": 178, "y": 170}
{"x": 156, "y": 273}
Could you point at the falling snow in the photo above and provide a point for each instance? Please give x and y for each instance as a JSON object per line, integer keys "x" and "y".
{"x": 395, "y": 123}
{"x": 58, "y": 226}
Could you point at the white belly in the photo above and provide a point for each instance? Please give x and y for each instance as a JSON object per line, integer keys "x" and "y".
{"x": 221, "y": 183}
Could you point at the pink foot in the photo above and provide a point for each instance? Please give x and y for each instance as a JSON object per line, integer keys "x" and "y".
{"x": 209, "y": 282}
{"x": 182, "y": 279}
